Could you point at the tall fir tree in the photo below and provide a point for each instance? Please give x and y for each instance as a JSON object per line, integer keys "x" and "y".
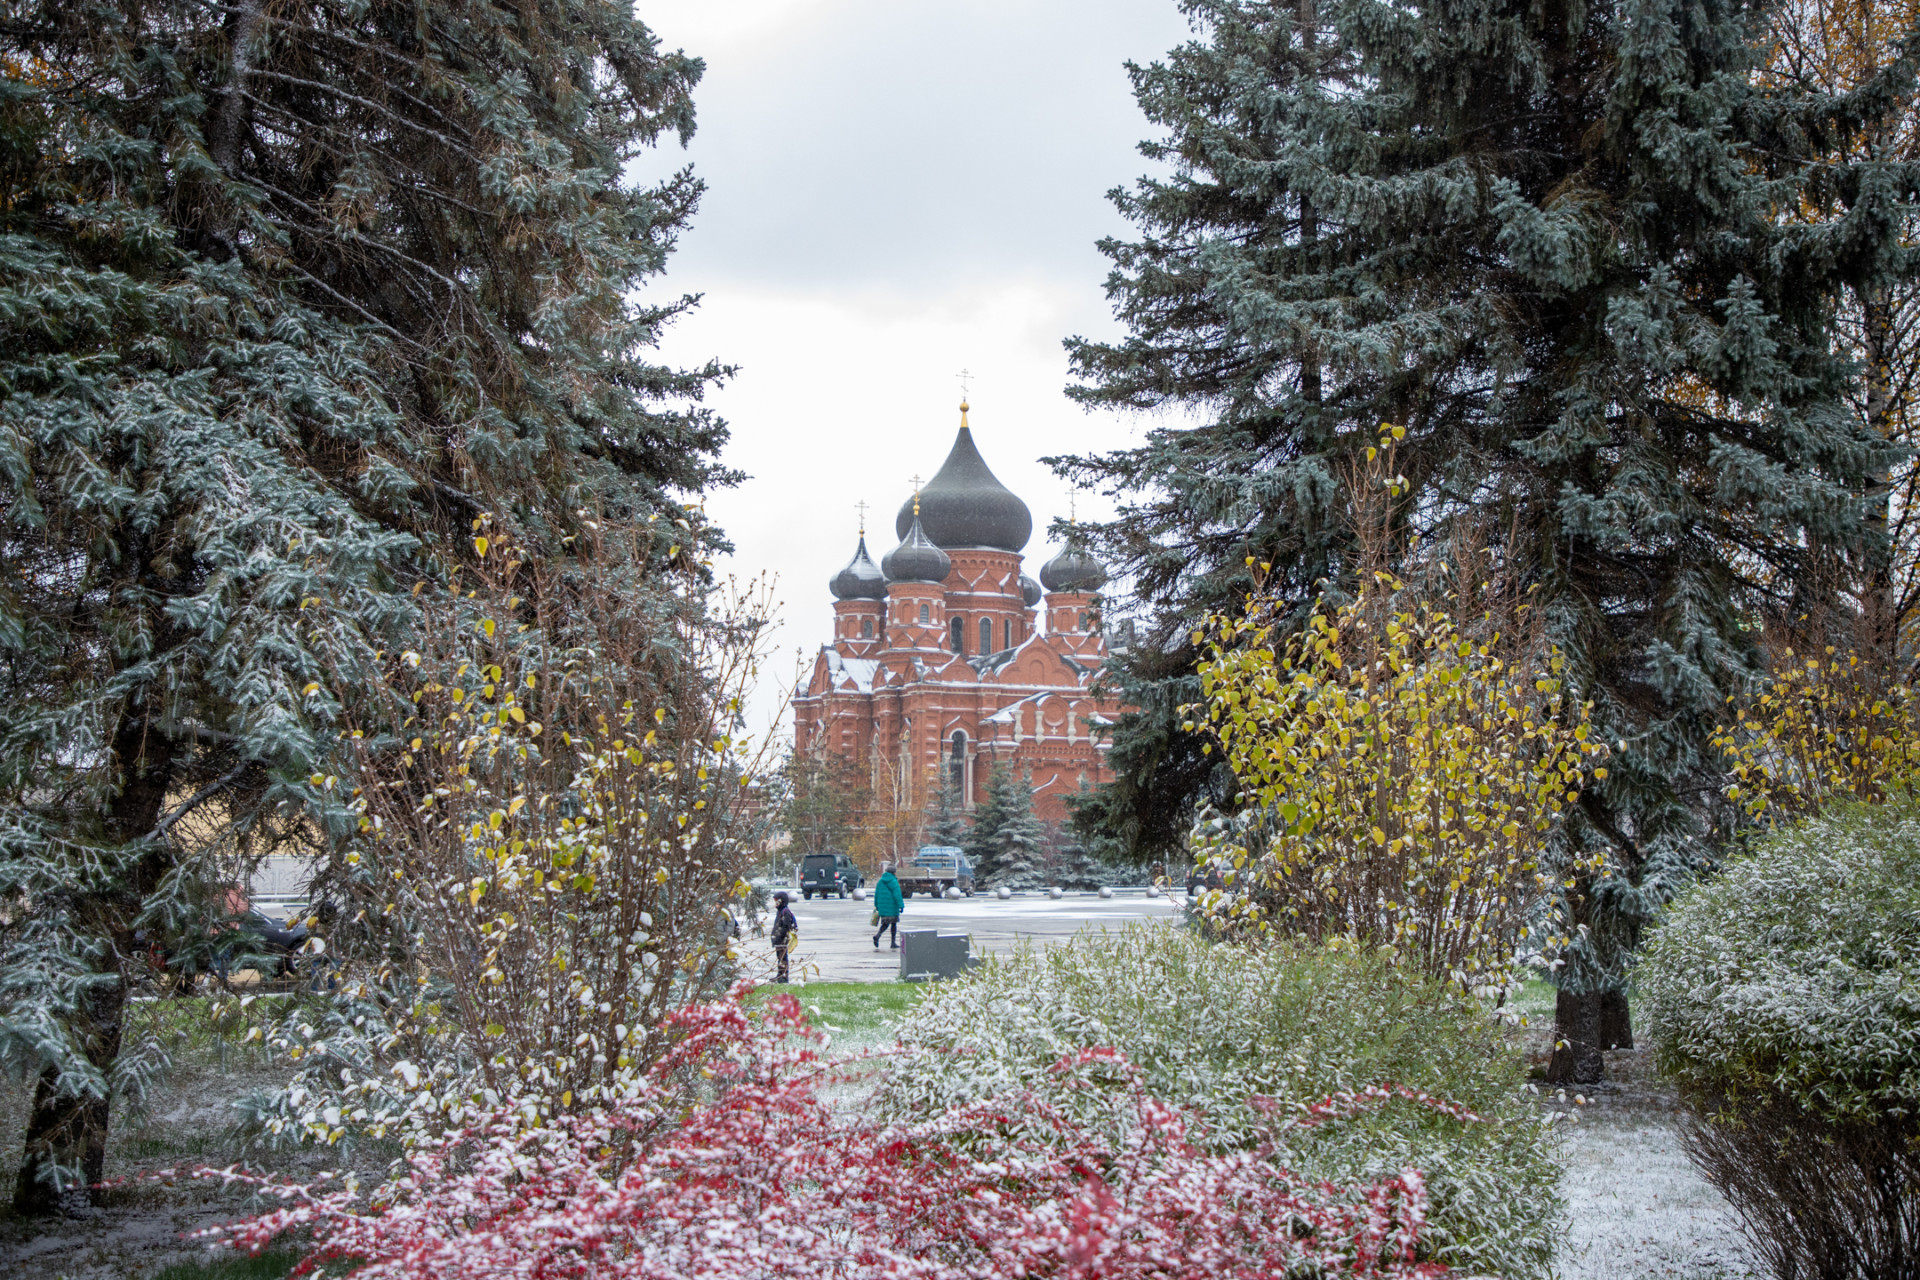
{"x": 290, "y": 297}
{"x": 982, "y": 841}
{"x": 946, "y": 818}
{"x": 1548, "y": 240}
{"x": 1019, "y": 843}
{"x": 1077, "y": 868}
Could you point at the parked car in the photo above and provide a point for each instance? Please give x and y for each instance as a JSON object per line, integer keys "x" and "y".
{"x": 825, "y": 873}
{"x": 280, "y": 939}
{"x": 934, "y": 869}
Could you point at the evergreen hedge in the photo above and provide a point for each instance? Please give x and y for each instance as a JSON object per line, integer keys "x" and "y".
{"x": 1783, "y": 997}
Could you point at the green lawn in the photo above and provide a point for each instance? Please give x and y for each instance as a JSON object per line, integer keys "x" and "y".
{"x": 275, "y": 1264}
{"x": 857, "y": 1013}
{"x": 1535, "y": 1000}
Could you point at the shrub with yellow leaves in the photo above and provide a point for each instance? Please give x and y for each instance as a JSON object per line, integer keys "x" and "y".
{"x": 1823, "y": 726}
{"x": 551, "y": 827}
{"x": 1401, "y": 776}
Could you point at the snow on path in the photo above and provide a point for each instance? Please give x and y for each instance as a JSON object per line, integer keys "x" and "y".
{"x": 1637, "y": 1208}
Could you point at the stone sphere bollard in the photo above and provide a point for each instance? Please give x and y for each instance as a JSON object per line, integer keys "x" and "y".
{"x": 1153, "y": 891}
{"x": 1105, "y": 892}
{"x": 953, "y": 894}
{"x": 1003, "y": 893}
{"x": 1056, "y": 893}
{"x": 859, "y": 894}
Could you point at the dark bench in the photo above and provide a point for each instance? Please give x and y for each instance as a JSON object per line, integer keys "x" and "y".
{"x": 927, "y": 953}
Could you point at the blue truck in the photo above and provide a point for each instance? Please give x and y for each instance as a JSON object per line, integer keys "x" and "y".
{"x": 935, "y": 868}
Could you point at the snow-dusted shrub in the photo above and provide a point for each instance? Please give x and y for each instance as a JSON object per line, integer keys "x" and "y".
{"x": 1404, "y": 757}
{"x": 723, "y": 1162}
{"x": 1783, "y": 997}
{"x": 1236, "y": 1032}
{"x": 548, "y": 823}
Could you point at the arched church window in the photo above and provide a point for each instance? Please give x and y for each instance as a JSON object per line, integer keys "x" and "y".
{"x": 923, "y": 615}
{"x": 957, "y": 765}
{"x": 986, "y": 635}
{"x": 1083, "y": 622}
{"x": 866, "y": 628}
{"x": 1007, "y": 630}
{"x": 957, "y": 633}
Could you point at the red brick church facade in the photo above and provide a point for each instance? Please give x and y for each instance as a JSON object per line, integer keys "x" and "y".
{"x": 947, "y": 658}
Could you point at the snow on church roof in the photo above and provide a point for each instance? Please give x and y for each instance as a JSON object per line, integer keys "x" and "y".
{"x": 858, "y": 670}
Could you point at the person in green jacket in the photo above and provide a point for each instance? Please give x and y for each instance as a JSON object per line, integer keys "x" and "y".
{"x": 888, "y": 902}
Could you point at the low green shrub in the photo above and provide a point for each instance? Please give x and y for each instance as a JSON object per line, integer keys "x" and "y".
{"x": 1783, "y": 997}
{"x": 1214, "y": 1026}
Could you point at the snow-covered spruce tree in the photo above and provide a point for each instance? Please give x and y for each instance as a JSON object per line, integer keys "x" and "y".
{"x": 1019, "y": 843}
{"x": 946, "y": 820}
{"x": 288, "y": 298}
{"x": 1548, "y": 240}
{"x": 982, "y": 841}
{"x": 1075, "y": 867}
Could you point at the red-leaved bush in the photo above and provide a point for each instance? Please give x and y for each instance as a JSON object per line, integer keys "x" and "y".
{"x": 726, "y": 1163}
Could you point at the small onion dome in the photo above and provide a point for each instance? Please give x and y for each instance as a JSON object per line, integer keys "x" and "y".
{"x": 1073, "y": 570}
{"x": 861, "y": 579}
{"x": 965, "y": 506}
{"x": 916, "y": 559}
{"x": 1029, "y": 591}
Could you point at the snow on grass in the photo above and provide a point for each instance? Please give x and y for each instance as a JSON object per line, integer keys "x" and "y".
{"x": 1637, "y": 1208}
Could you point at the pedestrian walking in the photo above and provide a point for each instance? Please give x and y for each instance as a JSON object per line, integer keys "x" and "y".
{"x": 888, "y": 902}
{"x": 785, "y": 927}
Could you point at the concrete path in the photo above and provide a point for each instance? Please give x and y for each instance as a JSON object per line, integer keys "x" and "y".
{"x": 836, "y": 942}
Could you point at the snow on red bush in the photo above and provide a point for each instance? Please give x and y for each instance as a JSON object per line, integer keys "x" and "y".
{"x": 727, "y": 1164}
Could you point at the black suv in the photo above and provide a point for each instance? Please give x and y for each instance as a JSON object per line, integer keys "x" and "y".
{"x": 825, "y": 873}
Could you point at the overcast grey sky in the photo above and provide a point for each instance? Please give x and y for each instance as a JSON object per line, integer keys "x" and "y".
{"x": 898, "y": 189}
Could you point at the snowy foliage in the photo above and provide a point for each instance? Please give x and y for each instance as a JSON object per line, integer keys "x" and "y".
{"x": 1239, "y": 1034}
{"x": 1822, "y": 727}
{"x": 1406, "y": 761}
{"x": 1612, "y": 349}
{"x": 288, "y": 295}
{"x": 1796, "y": 971}
{"x": 1074, "y": 867}
{"x": 549, "y": 841}
{"x": 725, "y": 1162}
{"x": 1019, "y": 840}
{"x": 1784, "y": 997}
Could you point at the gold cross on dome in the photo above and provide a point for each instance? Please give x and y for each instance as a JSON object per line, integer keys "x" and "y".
{"x": 862, "y": 507}
{"x": 966, "y": 382}
{"x": 916, "y": 494}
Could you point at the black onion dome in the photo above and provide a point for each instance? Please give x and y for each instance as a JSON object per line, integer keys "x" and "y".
{"x": 964, "y": 506}
{"x": 861, "y": 579}
{"x": 1029, "y": 591}
{"x": 1073, "y": 570}
{"x": 916, "y": 559}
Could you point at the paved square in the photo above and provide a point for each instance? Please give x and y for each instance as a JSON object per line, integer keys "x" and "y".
{"x": 836, "y": 942}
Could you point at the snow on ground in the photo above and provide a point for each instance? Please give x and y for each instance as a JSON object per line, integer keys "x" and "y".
{"x": 1637, "y": 1209}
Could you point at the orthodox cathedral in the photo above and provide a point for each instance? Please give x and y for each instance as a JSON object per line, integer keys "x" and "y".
{"x": 939, "y": 665}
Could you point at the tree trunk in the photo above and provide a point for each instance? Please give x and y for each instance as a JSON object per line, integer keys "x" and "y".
{"x": 67, "y": 1135}
{"x": 1616, "y": 1021}
{"x": 1576, "y": 1040}
{"x": 1879, "y": 607}
{"x": 67, "y": 1128}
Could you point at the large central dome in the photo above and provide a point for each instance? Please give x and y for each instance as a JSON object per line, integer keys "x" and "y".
{"x": 964, "y": 506}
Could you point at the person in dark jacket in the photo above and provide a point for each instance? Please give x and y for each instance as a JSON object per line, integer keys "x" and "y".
{"x": 784, "y": 927}
{"x": 888, "y": 902}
